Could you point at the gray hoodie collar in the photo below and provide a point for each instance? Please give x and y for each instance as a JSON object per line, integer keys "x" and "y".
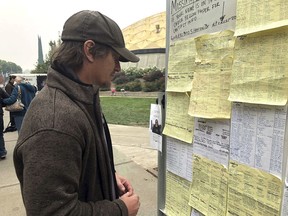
{"x": 76, "y": 90}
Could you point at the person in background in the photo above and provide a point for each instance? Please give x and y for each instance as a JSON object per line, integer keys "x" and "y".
{"x": 3, "y": 151}
{"x": 63, "y": 156}
{"x": 27, "y": 92}
{"x": 113, "y": 92}
{"x": 10, "y": 85}
{"x": 9, "y": 88}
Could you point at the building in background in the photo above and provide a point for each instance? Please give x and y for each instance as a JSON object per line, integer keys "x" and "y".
{"x": 147, "y": 39}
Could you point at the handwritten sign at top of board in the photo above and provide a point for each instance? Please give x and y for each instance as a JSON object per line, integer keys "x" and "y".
{"x": 191, "y": 18}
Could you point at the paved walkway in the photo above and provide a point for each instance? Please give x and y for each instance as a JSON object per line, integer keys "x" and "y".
{"x": 134, "y": 143}
{"x": 134, "y": 159}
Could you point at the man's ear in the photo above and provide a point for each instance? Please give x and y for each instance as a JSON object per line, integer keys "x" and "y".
{"x": 87, "y": 50}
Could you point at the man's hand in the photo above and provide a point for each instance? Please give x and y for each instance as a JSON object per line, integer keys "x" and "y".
{"x": 124, "y": 185}
{"x": 132, "y": 202}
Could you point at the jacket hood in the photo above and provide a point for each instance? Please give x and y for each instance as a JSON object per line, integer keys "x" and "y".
{"x": 77, "y": 91}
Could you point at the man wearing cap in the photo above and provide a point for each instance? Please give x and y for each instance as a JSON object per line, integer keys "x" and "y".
{"x": 9, "y": 88}
{"x": 63, "y": 157}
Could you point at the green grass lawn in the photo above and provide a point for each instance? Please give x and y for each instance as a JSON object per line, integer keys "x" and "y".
{"x": 127, "y": 111}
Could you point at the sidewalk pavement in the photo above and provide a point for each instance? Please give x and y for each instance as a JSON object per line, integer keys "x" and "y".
{"x": 133, "y": 156}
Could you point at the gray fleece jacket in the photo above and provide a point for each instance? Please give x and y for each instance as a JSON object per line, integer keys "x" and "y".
{"x": 61, "y": 158}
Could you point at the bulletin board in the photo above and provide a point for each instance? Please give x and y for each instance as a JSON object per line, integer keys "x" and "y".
{"x": 224, "y": 146}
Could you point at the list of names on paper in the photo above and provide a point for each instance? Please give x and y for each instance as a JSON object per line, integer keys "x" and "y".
{"x": 259, "y": 15}
{"x": 211, "y": 139}
{"x": 260, "y": 68}
{"x": 252, "y": 191}
{"x": 178, "y": 123}
{"x": 257, "y": 136}
{"x": 211, "y": 83}
{"x": 179, "y": 158}
{"x": 177, "y": 195}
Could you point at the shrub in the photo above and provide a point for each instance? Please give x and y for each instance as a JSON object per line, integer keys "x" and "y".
{"x": 150, "y": 86}
{"x": 119, "y": 74}
{"x": 119, "y": 87}
{"x": 161, "y": 84}
{"x": 157, "y": 85}
{"x": 121, "y": 80}
{"x": 134, "y": 86}
{"x": 135, "y": 72}
{"x": 153, "y": 75}
{"x": 130, "y": 79}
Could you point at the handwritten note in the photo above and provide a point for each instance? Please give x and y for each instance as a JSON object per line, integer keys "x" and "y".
{"x": 178, "y": 123}
{"x": 209, "y": 186}
{"x": 260, "y": 69}
{"x": 181, "y": 66}
{"x": 211, "y": 139}
{"x": 211, "y": 83}
{"x": 252, "y": 191}
{"x": 257, "y": 136}
{"x": 192, "y": 18}
{"x": 179, "y": 158}
{"x": 259, "y": 15}
{"x": 177, "y": 195}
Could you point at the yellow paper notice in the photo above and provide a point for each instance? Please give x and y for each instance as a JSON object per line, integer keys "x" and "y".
{"x": 178, "y": 123}
{"x": 211, "y": 83}
{"x": 208, "y": 192}
{"x": 181, "y": 66}
{"x": 177, "y": 195}
{"x": 260, "y": 68}
{"x": 252, "y": 191}
{"x": 259, "y": 15}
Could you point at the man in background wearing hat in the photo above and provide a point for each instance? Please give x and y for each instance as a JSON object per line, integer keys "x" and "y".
{"x": 9, "y": 88}
{"x": 63, "y": 157}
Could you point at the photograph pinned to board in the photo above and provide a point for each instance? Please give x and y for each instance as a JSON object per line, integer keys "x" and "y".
{"x": 155, "y": 127}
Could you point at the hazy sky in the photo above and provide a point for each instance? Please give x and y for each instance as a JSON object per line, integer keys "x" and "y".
{"x": 21, "y": 21}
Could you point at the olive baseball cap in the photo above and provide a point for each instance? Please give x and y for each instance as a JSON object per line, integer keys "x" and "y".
{"x": 92, "y": 25}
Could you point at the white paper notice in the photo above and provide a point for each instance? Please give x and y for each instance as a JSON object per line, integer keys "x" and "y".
{"x": 284, "y": 209}
{"x": 179, "y": 158}
{"x": 191, "y": 18}
{"x": 257, "y": 136}
{"x": 155, "y": 127}
{"x": 211, "y": 139}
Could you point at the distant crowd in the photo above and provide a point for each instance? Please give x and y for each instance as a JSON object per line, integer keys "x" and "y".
{"x": 15, "y": 98}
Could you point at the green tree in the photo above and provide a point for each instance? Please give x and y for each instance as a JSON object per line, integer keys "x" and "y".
{"x": 9, "y": 67}
{"x": 43, "y": 68}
